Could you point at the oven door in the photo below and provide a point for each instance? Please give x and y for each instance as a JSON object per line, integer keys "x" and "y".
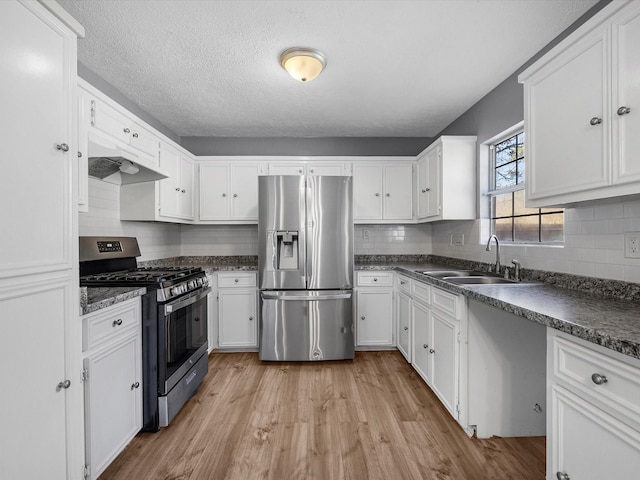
{"x": 182, "y": 337}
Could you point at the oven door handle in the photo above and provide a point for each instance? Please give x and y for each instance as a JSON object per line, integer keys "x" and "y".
{"x": 185, "y": 302}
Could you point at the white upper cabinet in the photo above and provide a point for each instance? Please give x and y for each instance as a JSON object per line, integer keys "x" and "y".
{"x": 582, "y": 101}
{"x": 302, "y": 168}
{"x": 382, "y": 192}
{"x": 446, "y": 180}
{"x": 228, "y": 192}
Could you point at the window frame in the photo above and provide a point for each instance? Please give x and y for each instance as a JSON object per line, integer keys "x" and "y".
{"x": 494, "y": 192}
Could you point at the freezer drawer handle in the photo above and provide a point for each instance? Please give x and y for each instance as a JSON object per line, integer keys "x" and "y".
{"x": 296, "y": 298}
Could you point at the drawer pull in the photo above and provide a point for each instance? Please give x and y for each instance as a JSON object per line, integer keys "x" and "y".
{"x": 425, "y": 346}
{"x": 375, "y": 279}
{"x": 235, "y": 280}
{"x": 117, "y": 322}
{"x": 135, "y": 385}
{"x": 595, "y": 121}
{"x": 599, "y": 379}
{"x": 623, "y": 110}
{"x": 562, "y": 476}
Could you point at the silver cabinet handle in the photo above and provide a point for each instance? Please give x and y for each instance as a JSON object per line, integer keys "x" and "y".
{"x": 117, "y": 322}
{"x": 183, "y": 191}
{"x": 388, "y": 194}
{"x": 362, "y": 317}
{"x": 425, "y": 190}
{"x": 250, "y": 319}
{"x": 62, "y": 146}
{"x": 64, "y": 384}
{"x": 624, "y": 110}
{"x": 406, "y": 328}
{"x": 377, "y": 194}
{"x": 425, "y": 346}
{"x": 311, "y": 170}
{"x": 235, "y": 280}
{"x": 431, "y": 350}
{"x": 595, "y": 121}
{"x": 402, "y": 282}
{"x": 79, "y": 154}
{"x": 135, "y": 385}
{"x": 177, "y": 189}
{"x": 224, "y": 194}
{"x": 375, "y": 279}
{"x": 562, "y": 476}
{"x": 599, "y": 379}
{"x": 235, "y": 195}
{"x": 135, "y": 135}
{"x": 126, "y": 130}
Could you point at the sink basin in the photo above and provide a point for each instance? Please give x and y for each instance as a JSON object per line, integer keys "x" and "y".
{"x": 450, "y": 273}
{"x": 480, "y": 280}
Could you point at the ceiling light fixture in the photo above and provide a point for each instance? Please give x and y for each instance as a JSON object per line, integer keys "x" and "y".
{"x": 303, "y": 64}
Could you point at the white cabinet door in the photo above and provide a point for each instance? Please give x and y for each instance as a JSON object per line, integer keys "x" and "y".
{"x": 187, "y": 183}
{"x": 328, "y": 169}
{"x": 367, "y": 192}
{"x": 291, "y": 168}
{"x": 244, "y": 192}
{"x": 565, "y": 143}
{"x": 41, "y": 433}
{"x": 374, "y": 320}
{"x": 404, "y": 325}
{"x": 589, "y": 444}
{"x": 214, "y": 191}
{"x": 113, "y": 401}
{"x": 398, "y": 192}
{"x": 444, "y": 350}
{"x": 429, "y": 184}
{"x": 144, "y": 140}
{"x": 421, "y": 340}
{"x": 626, "y": 95}
{"x": 237, "y": 318}
{"x": 111, "y": 122}
{"x": 170, "y": 187}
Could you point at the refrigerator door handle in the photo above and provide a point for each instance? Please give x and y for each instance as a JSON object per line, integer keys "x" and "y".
{"x": 297, "y": 298}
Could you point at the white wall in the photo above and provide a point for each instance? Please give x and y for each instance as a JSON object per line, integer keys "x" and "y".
{"x": 162, "y": 240}
{"x": 594, "y": 243}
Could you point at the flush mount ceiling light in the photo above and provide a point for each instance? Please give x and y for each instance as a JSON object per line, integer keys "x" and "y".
{"x": 303, "y": 64}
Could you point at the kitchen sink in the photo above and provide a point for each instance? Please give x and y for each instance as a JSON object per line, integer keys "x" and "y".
{"x": 450, "y": 273}
{"x": 481, "y": 280}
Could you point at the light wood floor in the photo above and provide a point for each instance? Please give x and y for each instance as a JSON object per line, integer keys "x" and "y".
{"x": 372, "y": 418}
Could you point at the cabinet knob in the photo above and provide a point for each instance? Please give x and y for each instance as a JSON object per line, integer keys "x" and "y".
{"x": 79, "y": 154}
{"x": 64, "y": 384}
{"x": 126, "y": 130}
{"x": 300, "y": 171}
{"x": 135, "y": 135}
{"x": 62, "y": 146}
{"x": 388, "y": 195}
{"x": 224, "y": 194}
{"x": 402, "y": 282}
{"x": 624, "y": 110}
{"x": 362, "y": 317}
{"x": 595, "y": 121}
{"x": 375, "y": 279}
{"x": 117, "y": 322}
{"x": 183, "y": 191}
{"x": 431, "y": 350}
{"x": 406, "y": 328}
{"x": 562, "y": 476}
{"x": 599, "y": 379}
{"x": 177, "y": 189}
{"x": 425, "y": 190}
{"x": 425, "y": 346}
{"x": 235, "y": 195}
{"x": 250, "y": 319}
{"x": 311, "y": 170}
{"x": 377, "y": 194}
{"x": 135, "y": 385}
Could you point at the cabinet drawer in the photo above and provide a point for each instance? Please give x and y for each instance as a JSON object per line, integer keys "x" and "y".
{"x": 237, "y": 279}
{"x": 403, "y": 284}
{"x": 382, "y": 279}
{"x": 447, "y": 302}
{"x": 421, "y": 292}
{"x": 618, "y": 383}
{"x": 107, "y": 324}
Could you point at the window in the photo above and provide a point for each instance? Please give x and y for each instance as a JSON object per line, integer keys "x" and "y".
{"x": 510, "y": 220}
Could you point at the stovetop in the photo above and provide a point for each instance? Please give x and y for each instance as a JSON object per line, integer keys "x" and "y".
{"x": 145, "y": 276}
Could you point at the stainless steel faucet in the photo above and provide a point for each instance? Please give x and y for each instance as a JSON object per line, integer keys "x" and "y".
{"x": 493, "y": 237}
{"x": 516, "y": 272}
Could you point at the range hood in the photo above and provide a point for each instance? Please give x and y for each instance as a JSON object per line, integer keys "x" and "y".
{"x": 112, "y": 164}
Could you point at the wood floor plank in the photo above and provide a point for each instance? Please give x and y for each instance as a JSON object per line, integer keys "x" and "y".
{"x": 370, "y": 418}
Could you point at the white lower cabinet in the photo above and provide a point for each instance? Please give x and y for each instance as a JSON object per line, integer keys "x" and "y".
{"x": 374, "y": 309}
{"x": 237, "y": 310}
{"x": 445, "y": 351}
{"x": 421, "y": 340}
{"x": 403, "y": 316}
{"x": 113, "y": 382}
{"x": 594, "y": 420}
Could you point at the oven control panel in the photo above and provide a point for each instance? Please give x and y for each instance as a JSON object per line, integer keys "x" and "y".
{"x": 108, "y": 247}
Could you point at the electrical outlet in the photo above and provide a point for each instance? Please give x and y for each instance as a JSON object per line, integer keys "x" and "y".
{"x": 457, "y": 239}
{"x": 365, "y": 234}
{"x": 632, "y": 244}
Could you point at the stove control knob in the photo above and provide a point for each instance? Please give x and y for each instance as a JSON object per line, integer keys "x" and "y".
{"x": 172, "y": 291}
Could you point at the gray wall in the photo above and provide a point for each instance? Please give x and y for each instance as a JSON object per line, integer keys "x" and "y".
{"x": 359, "y": 146}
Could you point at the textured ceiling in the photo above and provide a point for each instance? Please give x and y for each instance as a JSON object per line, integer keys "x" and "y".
{"x": 394, "y": 68}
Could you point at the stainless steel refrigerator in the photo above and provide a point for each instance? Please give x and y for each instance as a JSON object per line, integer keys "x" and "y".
{"x": 305, "y": 231}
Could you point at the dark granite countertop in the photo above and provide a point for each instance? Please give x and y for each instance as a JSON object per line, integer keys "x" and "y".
{"x": 99, "y": 298}
{"x": 613, "y": 323}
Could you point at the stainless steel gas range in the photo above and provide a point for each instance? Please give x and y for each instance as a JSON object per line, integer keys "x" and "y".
{"x": 174, "y": 321}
